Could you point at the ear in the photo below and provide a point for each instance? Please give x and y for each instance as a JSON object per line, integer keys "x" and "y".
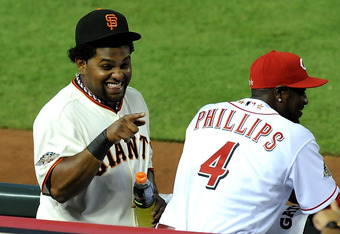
{"x": 81, "y": 64}
{"x": 280, "y": 93}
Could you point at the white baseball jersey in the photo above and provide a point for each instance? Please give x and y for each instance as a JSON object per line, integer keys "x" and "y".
{"x": 240, "y": 162}
{"x": 64, "y": 127}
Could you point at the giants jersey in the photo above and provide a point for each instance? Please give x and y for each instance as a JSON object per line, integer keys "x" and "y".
{"x": 240, "y": 162}
{"x": 64, "y": 127}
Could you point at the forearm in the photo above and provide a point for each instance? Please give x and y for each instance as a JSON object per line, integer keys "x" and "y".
{"x": 72, "y": 175}
{"x": 330, "y": 231}
{"x": 328, "y": 220}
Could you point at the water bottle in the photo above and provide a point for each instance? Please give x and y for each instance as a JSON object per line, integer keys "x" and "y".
{"x": 144, "y": 199}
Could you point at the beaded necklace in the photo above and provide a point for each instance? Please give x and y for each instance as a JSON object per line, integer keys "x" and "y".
{"x": 88, "y": 92}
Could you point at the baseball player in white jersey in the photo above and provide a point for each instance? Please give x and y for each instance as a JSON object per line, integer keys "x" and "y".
{"x": 243, "y": 160}
{"x": 93, "y": 137}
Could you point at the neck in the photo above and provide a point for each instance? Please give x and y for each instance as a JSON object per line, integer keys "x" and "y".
{"x": 266, "y": 95}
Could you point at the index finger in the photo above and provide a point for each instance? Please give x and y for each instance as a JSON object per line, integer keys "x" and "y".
{"x": 135, "y": 116}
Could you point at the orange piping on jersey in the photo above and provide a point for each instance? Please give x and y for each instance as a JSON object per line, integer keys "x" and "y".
{"x": 336, "y": 188}
{"x": 48, "y": 175}
{"x": 94, "y": 101}
{"x": 120, "y": 106}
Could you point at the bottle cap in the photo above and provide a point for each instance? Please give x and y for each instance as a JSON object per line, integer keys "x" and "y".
{"x": 141, "y": 177}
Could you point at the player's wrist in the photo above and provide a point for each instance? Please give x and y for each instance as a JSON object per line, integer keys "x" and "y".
{"x": 100, "y": 146}
{"x": 333, "y": 225}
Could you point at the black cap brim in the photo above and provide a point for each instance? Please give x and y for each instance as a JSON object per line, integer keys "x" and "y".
{"x": 116, "y": 40}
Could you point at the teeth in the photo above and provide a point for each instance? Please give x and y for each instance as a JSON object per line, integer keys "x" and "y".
{"x": 113, "y": 85}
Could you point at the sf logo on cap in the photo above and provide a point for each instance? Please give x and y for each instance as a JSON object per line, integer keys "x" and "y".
{"x": 111, "y": 21}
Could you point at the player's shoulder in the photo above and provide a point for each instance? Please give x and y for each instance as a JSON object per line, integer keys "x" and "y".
{"x": 133, "y": 95}
{"x": 212, "y": 106}
{"x": 59, "y": 101}
{"x": 298, "y": 130}
{"x": 133, "y": 102}
{"x": 132, "y": 91}
{"x": 216, "y": 105}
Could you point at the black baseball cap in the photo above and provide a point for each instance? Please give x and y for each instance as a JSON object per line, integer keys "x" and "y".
{"x": 104, "y": 24}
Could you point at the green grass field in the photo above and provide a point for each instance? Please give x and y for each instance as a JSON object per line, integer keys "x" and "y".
{"x": 191, "y": 53}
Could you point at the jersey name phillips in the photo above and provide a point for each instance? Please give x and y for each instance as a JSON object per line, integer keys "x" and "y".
{"x": 231, "y": 121}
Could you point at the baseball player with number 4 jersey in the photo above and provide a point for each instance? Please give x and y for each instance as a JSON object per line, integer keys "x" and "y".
{"x": 93, "y": 137}
{"x": 243, "y": 160}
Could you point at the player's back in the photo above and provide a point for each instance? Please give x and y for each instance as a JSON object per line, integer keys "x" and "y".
{"x": 233, "y": 172}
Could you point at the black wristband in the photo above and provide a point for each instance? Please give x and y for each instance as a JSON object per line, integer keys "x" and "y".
{"x": 333, "y": 225}
{"x": 100, "y": 146}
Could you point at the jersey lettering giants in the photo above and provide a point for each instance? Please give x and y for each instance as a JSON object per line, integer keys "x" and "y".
{"x": 122, "y": 156}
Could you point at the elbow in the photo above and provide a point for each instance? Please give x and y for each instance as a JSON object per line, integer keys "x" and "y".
{"x": 61, "y": 199}
{"x": 60, "y": 195}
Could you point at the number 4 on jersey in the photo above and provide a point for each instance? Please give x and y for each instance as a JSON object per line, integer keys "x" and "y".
{"x": 215, "y": 167}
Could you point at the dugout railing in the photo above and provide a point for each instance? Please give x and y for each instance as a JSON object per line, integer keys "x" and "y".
{"x": 19, "y": 200}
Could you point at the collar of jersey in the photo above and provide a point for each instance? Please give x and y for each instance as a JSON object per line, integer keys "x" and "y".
{"x": 78, "y": 82}
{"x": 255, "y": 106}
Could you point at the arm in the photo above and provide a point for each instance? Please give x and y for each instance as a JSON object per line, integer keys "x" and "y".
{"x": 160, "y": 203}
{"x": 73, "y": 174}
{"x": 311, "y": 180}
{"x": 323, "y": 217}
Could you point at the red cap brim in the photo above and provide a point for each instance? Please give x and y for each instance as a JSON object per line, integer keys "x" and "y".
{"x": 310, "y": 82}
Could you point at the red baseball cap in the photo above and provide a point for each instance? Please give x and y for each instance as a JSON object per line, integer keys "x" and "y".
{"x": 281, "y": 68}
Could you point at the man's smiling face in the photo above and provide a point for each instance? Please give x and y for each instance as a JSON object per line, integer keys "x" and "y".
{"x": 108, "y": 73}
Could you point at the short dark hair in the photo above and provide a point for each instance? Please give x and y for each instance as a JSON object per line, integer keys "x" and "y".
{"x": 87, "y": 51}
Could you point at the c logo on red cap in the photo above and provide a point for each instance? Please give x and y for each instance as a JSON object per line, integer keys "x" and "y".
{"x": 302, "y": 65}
{"x": 111, "y": 21}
